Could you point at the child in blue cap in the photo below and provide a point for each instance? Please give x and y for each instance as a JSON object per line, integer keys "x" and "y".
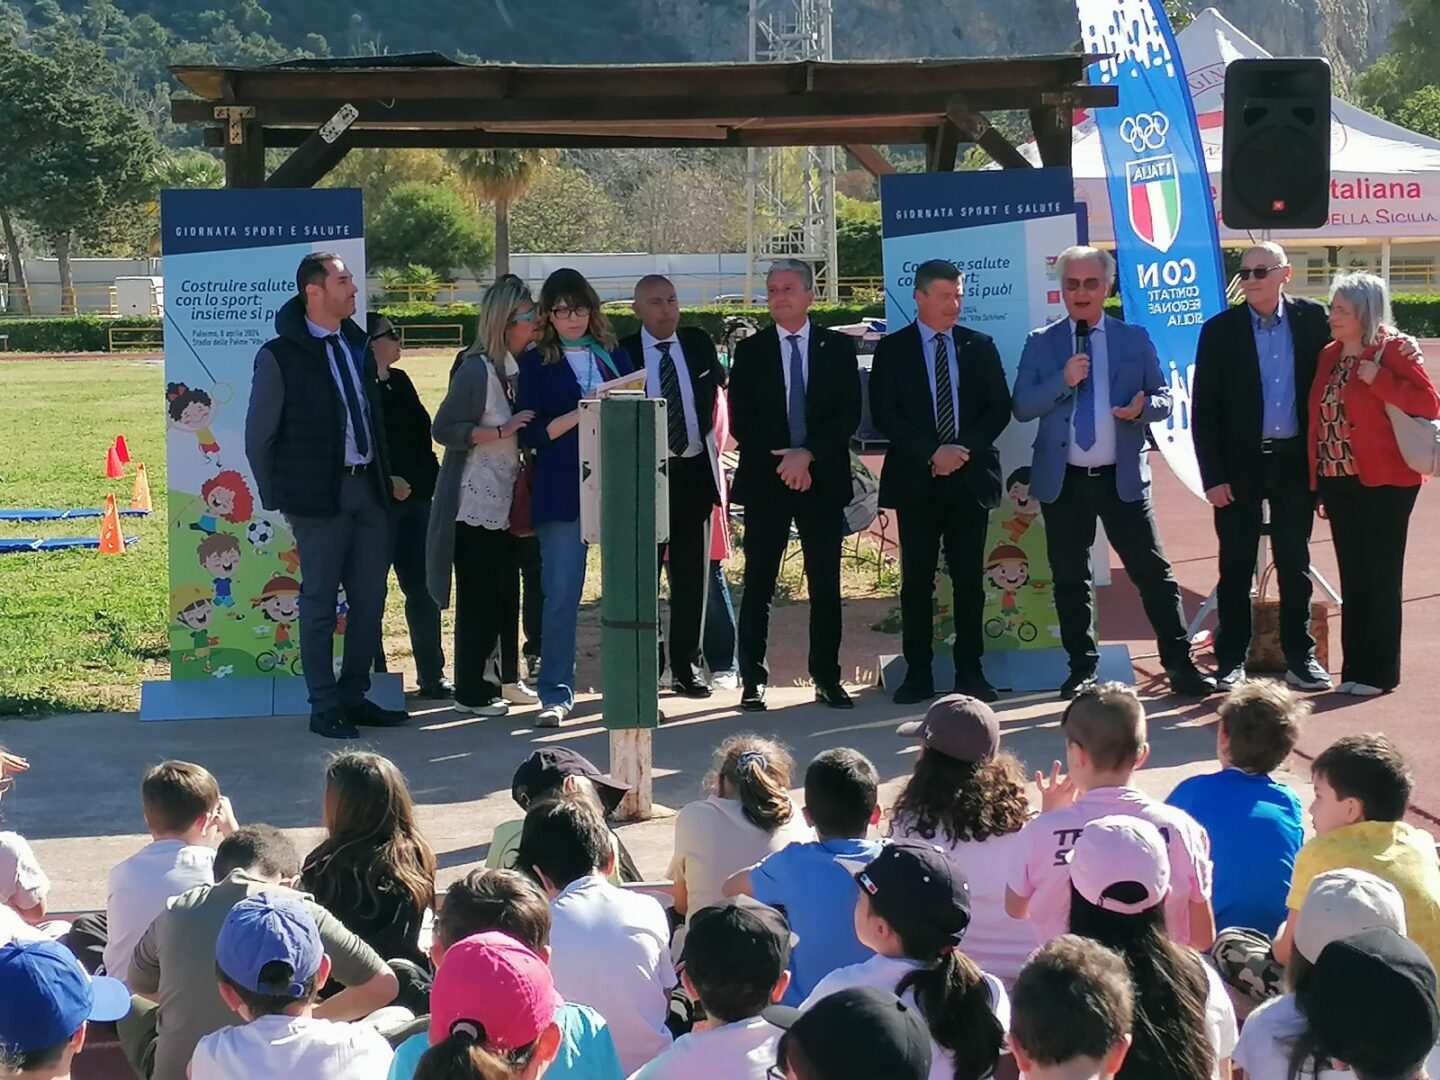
{"x": 46, "y": 999}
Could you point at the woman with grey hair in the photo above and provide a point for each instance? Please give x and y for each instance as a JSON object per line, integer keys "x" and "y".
{"x": 1366, "y": 490}
{"x": 470, "y": 515}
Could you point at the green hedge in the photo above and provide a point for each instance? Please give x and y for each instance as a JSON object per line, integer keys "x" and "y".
{"x": 68, "y": 333}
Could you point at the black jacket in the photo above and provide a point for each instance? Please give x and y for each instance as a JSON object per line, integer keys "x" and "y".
{"x": 295, "y": 426}
{"x": 707, "y": 374}
{"x": 903, "y": 407}
{"x": 760, "y": 423}
{"x": 407, "y": 435}
{"x": 1227, "y": 412}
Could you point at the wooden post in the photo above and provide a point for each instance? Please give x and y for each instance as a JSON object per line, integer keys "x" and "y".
{"x": 630, "y": 603}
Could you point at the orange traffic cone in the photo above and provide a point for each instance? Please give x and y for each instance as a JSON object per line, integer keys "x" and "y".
{"x": 113, "y": 468}
{"x": 140, "y": 495}
{"x": 122, "y": 450}
{"x": 112, "y": 540}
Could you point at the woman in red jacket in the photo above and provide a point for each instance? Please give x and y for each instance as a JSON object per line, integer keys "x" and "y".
{"x": 1366, "y": 490}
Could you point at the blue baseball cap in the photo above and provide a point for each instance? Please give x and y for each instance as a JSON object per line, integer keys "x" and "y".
{"x": 266, "y": 928}
{"x": 45, "y": 996}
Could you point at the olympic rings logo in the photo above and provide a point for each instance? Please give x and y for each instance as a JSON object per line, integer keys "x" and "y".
{"x": 1145, "y": 131}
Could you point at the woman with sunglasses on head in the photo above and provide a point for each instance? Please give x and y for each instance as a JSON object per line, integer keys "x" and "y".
{"x": 577, "y": 354}
{"x": 470, "y": 517}
{"x": 413, "y": 468}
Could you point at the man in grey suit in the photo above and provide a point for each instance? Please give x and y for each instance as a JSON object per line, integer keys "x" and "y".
{"x": 316, "y": 445}
{"x": 1095, "y": 384}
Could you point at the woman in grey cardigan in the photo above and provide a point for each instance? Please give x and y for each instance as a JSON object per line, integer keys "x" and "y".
{"x": 470, "y": 515}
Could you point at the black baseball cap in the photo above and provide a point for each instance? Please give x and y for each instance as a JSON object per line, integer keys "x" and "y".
{"x": 546, "y": 769}
{"x": 739, "y": 938}
{"x": 961, "y": 727}
{"x": 913, "y": 885}
{"x": 860, "y": 1032}
{"x": 1370, "y": 999}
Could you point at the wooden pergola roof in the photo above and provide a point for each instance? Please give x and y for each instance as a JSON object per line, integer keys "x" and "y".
{"x": 428, "y": 100}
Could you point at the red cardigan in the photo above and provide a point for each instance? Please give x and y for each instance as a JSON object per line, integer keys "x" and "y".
{"x": 1402, "y": 382}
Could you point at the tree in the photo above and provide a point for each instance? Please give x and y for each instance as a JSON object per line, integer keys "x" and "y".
{"x": 857, "y": 235}
{"x": 566, "y": 211}
{"x": 1420, "y": 111}
{"x": 428, "y": 225}
{"x": 499, "y": 177}
{"x": 1412, "y": 62}
{"x": 378, "y": 172}
{"x": 686, "y": 211}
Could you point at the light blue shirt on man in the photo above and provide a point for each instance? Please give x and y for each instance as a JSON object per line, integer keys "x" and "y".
{"x": 927, "y": 342}
{"x": 352, "y": 451}
{"x": 1102, "y": 452}
{"x": 1275, "y": 349}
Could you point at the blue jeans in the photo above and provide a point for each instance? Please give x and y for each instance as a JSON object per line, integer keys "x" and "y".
{"x": 719, "y": 644}
{"x": 409, "y": 522}
{"x": 562, "y": 577}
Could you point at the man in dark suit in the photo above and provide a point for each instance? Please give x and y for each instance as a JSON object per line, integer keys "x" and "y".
{"x": 794, "y": 404}
{"x": 681, "y": 368}
{"x": 1095, "y": 385}
{"x": 938, "y": 392}
{"x": 316, "y": 443}
{"x": 1253, "y": 370}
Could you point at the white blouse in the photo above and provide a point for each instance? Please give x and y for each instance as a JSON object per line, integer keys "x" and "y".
{"x": 488, "y": 483}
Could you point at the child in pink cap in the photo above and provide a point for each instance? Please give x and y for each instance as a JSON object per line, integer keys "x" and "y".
{"x": 1105, "y": 742}
{"x": 492, "y": 1012}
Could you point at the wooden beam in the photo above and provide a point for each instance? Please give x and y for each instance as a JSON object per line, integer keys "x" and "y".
{"x": 944, "y": 148}
{"x": 979, "y": 130}
{"x": 325, "y": 148}
{"x": 1053, "y": 127}
{"x": 475, "y": 138}
{"x": 245, "y": 159}
{"x": 870, "y": 159}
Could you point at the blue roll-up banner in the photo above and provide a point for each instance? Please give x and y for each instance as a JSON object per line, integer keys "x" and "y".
{"x": 1166, "y": 241}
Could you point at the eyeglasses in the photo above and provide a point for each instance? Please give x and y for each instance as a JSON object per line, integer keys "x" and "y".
{"x": 392, "y": 334}
{"x": 1258, "y": 271}
{"x": 1089, "y": 284}
{"x": 566, "y": 312}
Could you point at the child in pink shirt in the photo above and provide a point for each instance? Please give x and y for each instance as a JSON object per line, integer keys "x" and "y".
{"x": 1105, "y": 742}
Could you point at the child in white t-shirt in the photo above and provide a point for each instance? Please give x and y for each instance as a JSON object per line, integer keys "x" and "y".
{"x": 23, "y": 885}
{"x": 271, "y": 963}
{"x": 1071, "y": 1012}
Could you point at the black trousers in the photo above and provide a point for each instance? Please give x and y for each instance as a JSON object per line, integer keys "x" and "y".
{"x": 1088, "y": 495}
{"x": 524, "y": 606}
{"x": 1283, "y": 483}
{"x": 484, "y": 566}
{"x": 820, "y": 523}
{"x": 1370, "y": 527}
{"x": 960, "y": 525}
{"x": 692, "y": 499}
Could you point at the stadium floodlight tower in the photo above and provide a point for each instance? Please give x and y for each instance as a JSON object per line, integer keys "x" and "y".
{"x": 790, "y": 191}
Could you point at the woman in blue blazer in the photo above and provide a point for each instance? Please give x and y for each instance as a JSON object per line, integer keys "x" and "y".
{"x": 577, "y": 353}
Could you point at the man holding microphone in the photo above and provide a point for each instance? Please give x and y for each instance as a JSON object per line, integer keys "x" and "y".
{"x": 1094, "y": 383}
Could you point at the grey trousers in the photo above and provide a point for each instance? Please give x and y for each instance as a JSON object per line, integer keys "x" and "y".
{"x": 350, "y": 549}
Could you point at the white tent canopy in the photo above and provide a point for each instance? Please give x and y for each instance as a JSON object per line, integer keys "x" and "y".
{"x": 1384, "y": 180}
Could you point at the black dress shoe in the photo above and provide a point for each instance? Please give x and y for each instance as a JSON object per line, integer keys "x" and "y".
{"x": 691, "y": 688}
{"x": 1075, "y": 682}
{"x": 436, "y": 691}
{"x": 1188, "y": 682}
{"x": 978, "y": 687}
{"x": 913, "y": 692}
{"x": 752, "y": 698}
{"x": 331, "y": 724}
{"x": 833, "y": 695}
{"x": 368, "y": 714}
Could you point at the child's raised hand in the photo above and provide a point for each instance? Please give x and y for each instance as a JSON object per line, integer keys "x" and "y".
{"x": 1057, "y": 791}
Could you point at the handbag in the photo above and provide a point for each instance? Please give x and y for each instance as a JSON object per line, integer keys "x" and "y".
{"x": 1266, "y": 653}
{"x": 1418, "y": 440}
{"x": 520, "y": 523}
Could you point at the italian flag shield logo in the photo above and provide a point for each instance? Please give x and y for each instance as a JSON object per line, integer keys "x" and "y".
{"x": 1154, "y": 186}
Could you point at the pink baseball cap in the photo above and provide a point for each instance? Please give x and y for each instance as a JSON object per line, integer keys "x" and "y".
{"x": 1116, "y": 849}
{"x": 494, "y": 989}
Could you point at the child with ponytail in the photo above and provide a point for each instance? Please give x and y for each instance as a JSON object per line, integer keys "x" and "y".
{"x": 913, "y": 910}
{"x": 492, "y": 1013}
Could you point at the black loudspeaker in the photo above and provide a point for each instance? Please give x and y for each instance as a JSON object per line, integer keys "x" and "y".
{"x": 1275, "y": 165}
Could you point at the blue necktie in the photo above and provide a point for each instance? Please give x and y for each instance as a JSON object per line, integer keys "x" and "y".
{"x": 1085, "y": 403}
{"x": 796, "y": 405}
{"x": 352, "y": 399}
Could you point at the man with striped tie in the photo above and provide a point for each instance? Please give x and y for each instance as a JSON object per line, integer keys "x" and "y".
{"x": 682, "y": 368}
{"x": 938, "y": 392}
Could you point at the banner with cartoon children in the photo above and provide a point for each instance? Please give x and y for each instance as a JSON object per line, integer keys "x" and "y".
{"x": 229, "y": 263}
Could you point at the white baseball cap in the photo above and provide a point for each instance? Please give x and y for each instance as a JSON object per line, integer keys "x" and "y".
{"x": 1345, "y": 902}
{"x": 1120, "y": 848}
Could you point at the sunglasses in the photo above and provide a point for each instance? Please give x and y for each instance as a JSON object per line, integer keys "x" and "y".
{"x": 526, "y": 316}
{"x": 1089, "y": 284}
{"x": 1259, "y": 272}
{"x": 392, "y": 334}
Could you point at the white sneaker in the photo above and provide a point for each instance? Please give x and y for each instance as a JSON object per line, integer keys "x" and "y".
{"x": 726, "y": 680}
{"x": 498, "y": 707}
{"x": 517, "y": 693}
{"x": 1361, "y": 689}
{"x": 550, "y": 716}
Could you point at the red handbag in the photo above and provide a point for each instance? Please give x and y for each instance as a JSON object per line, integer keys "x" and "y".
{"x": 520, "y": 524}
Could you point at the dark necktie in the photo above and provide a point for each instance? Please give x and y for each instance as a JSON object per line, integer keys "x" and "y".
{"x": 352, "y": 399}
{"x": 1085, "y": 402}
{"x": 795, "y": 407}
{"x": 944, "y": 401}
{"x": 674, "y": 402}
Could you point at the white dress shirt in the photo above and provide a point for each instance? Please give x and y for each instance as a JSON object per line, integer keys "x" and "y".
{"x": 804, "y": 344}
{"x": 352, "y": 451}
{"x": 928, "y": 344}
{"x": 652, "y": 355}
{"x": 1103, "y": 452}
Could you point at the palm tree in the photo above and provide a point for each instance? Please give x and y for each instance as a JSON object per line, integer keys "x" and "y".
{"x": 185, "y": 169}
{"x": 499, "y": 177}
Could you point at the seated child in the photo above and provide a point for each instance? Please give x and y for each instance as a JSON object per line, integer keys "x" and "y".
{"x": 913, "y": 909}
{"x": 810, "y": 882}
{"x": 23, "y": 885}
{"x": 611, "y": 947}
{"x": 494, "y": 1005}
{"x": 969, "y": 797}
{"x": 860, "y": 1032}
{"x": 508, "y": 901}
{"x": 271, "y": 962}
{"x": 554, "y": 772}
{"x": 1104, "y": 728}
{"x": 1253, "y": 821}
{"x": 1071, "y": 1012}
{"x": 46, "y": 999}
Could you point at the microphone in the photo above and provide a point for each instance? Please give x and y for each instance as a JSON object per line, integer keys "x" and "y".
{"x": 1082, "y": 335}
